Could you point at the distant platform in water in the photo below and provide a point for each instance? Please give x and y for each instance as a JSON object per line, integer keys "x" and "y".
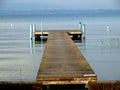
{"x": 62, "y": 62}
{"x": 74, "y": 34}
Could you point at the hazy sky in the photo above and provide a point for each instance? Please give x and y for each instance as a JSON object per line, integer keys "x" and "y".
{"x": 58, "y": 4}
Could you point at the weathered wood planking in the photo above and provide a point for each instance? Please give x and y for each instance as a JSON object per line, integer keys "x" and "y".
{"x": 74, "y": 34}
{"x": 63, "y": 63}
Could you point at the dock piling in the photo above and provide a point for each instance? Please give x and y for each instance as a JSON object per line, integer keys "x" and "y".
{"x": 34, "y": 29}
{"x": 31, "y": 32}
{"x": 80, "y": 26}
{"x": 41, "y": 32}
{"x": 83, "y": 31}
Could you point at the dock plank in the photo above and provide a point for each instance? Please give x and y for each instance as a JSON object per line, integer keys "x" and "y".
{"x": 63, "y": 63}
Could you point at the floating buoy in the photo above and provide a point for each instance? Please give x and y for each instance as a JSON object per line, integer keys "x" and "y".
{"x": 108, "y": 28}
{"x": 11, "y": 24}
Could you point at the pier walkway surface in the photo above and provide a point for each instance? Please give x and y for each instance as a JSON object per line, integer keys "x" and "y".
{"x": 63, "y": 63}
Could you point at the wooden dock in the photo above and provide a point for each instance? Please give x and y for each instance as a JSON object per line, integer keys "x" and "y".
{"x": 63, "y": 63}
{"x": 74, "y": 34}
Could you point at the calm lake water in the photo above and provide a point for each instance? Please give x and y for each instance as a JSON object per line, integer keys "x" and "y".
{"x": 20, "y": 60}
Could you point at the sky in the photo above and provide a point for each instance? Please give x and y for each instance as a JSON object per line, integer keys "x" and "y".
{"x": 58, "y": 4}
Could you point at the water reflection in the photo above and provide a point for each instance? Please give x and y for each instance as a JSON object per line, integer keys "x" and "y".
{"x": 111, "y": 43}
{"x": 32, "y": 45}
{"x": 81, "y": 44}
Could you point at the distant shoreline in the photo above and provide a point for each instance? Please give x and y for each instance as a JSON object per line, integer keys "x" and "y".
{"x": 52, "y": 12}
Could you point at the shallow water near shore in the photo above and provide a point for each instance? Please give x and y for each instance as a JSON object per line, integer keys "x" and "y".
{"x": 20, "y": 57}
